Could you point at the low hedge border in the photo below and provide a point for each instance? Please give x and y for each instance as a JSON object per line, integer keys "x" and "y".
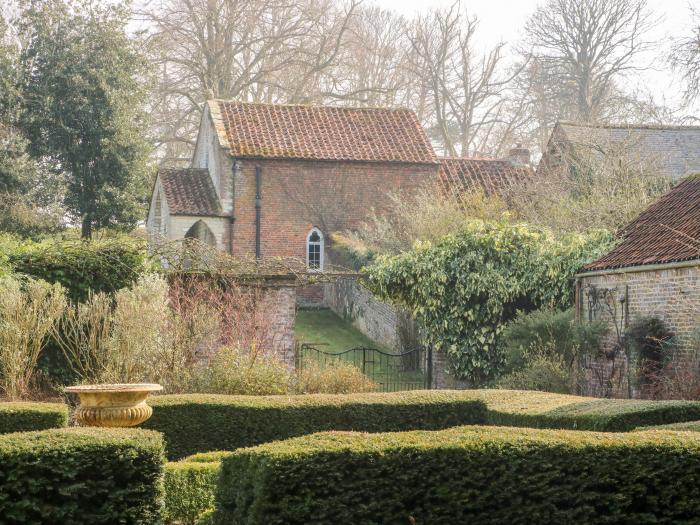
{"x": 190, "y": 487}
{"x": 207, "y": 457}
{"x": 485, "y": 475}
{"x": 687, "y": 426}
{"x": 200, "y": 423}
{"x": 81, "y": 476}
{"x": 26, "y": 417}
{"x": 532, "y": 409}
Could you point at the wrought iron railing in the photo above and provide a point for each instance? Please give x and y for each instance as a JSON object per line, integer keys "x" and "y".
{"x": 408, "y": 370}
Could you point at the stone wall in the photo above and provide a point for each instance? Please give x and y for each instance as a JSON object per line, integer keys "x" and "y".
{"x": 379, "y": 321}
{"x": 671, "y": 294}
{"x": 383, "y": 323}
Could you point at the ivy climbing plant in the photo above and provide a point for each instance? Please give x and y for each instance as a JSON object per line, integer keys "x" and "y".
{"x": 467, "y": 286}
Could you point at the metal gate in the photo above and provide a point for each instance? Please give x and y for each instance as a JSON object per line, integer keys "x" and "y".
{"x": 410, "y": 370}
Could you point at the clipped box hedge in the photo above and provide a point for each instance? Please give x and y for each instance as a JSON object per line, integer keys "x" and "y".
{"x": 214, "y": 456}
{"x": 25, "y": 417}
{"x": 81, "y": 476}
{"x": 687, "y": 426}
{"x": 190, "y": 488}
{"x": 524, "y": 408}
{"x": 475, "y": 475}
{"x": 200, "y": 423}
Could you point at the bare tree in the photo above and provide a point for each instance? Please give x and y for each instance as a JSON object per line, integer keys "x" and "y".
{"x": 344, "y": 52}
{"x": 582, "y": 47}
{"x": 593, "y": 182}
{"x": 686, "y": 58}
{"x": 467, "y": 90}
{"x": 251, "y": 50}
{"x": 374, "y": 69}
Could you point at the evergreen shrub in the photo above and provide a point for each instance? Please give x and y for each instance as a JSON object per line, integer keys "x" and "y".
{"x": 81, "y": 476}
{"x": 484, "y": 475}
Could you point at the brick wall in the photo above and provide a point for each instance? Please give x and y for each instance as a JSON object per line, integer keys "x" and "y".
{"x": 279, "y": 303}
{"x": 298, "y": 195}
{"x": 310, "y": 296}
{"x": 670, "y": 294}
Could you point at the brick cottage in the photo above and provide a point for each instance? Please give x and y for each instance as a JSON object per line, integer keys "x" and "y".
{"x": 276, "y": 180}
{"x": 653, "y": 271}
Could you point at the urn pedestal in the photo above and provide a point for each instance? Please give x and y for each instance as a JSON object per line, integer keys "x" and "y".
{"x": 113, "y": 405}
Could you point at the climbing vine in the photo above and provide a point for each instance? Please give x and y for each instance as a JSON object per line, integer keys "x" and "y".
{"x": 467, "y": 286}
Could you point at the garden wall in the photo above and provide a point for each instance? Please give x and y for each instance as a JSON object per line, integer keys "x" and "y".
{"x": 379, "y": 321}
{"x": 671, "y": 294}
{"x": 279, "y": 303}
{"x": 382, "y": 322}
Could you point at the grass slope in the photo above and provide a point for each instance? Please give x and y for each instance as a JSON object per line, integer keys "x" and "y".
{"x": 324, "y": 326}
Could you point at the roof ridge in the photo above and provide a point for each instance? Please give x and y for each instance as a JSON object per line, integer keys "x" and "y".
{"x": 628, "y": 125}
{"x": 173, "y": 168}
{"x": 313, "y": 106}
{"x": 472, "y": 158}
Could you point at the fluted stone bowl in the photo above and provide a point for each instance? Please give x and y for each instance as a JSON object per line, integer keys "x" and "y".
{"x": 113, "y": 405}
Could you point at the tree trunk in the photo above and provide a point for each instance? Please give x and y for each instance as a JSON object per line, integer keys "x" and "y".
{"x": 86, "y": 227}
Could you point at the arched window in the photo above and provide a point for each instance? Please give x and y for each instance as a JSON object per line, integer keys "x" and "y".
{"x": 201, "y": 231}
{"x": 314, "y": 249}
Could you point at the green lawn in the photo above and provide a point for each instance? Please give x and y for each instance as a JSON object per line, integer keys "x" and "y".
{"x": 324, "y": 326}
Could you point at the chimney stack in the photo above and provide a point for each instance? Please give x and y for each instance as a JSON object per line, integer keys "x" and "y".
{"x": 519, "y": 156}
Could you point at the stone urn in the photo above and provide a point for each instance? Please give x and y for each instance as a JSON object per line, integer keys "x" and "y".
{"x": 117, "y": 405}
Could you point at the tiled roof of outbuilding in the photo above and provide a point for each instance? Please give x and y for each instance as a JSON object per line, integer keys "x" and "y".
{"x": 673, "y": 151}
{"x": 493, "y": 176}
{"x": 190, "y": 191}
{"x": 667, "y": 231}
{"x": 320, "y": 132}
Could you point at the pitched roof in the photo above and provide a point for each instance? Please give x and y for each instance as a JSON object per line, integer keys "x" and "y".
{"x": 189, "y": 191}
{"x": 673, "y": 150}
{"x": 494, "y": 177}
{"x": 320, "y": 132}
{"x": 667, "y": 231}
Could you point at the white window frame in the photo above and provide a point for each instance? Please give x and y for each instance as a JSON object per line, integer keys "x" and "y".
{"x": 321, "y": 249}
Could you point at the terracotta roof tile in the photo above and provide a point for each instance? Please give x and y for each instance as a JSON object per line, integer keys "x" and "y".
{"x": 189, "y": 191}
{"x": 320, "y": 132}
{"x": 494, "y": 177}
{"x": 667, "y": 231}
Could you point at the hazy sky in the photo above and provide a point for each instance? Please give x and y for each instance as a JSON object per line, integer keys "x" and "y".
{"x": 504, "y": 20}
